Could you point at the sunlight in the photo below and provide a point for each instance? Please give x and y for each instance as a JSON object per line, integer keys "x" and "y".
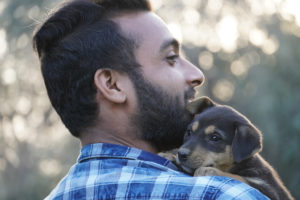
{"x": 35, "y": 118}
{"x": 228, "y": 33}
{"x": 202, "y": 33}
{"x": 270, "y": 6}
{"x": 8, "y": 135}
{"x": 214, "y": 7}
{"x": 175, "y": 29}
{"x": 223, "y": 90}
{"x": 257, "y": 37}
{"x": 8, "y": 76}
{"x": 206, "y": 60}
{"x": 270, "y": 46}
{"x": 192, "y": 3}
{"x": 50, "y": 167}
{"x": 247, "y": 50}
{"x": 12, "y": 157}
{"x": 57, "y": 132}
{"x": 256, "y": 7}
{"x": 192, "y": 34}
{"x": 3, "y": 43}
{"x": 239, "y": 68}
{"x": 290, "y": 10}
{"x": 20, "y": 12}
{"x": 19, "y": 126}
{"x": 213, "y": 45}
{"x": 262, "y": 7}
{"x": 156, "y": 4}
{"x": 22, "y": 41}
{"x": 191, "y": 16}
{"x": 23, "y": 105}
{"x": 34, "y": 12}
{"x": 2, "y": 6}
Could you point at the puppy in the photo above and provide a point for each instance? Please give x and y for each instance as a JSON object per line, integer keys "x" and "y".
{"x": 222, "y": 142}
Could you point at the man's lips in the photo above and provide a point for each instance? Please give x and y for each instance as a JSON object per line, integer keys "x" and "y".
{"x": 189, "y": 95}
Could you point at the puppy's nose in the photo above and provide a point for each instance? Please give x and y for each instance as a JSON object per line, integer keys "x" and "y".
{"x": 183, "y": 154}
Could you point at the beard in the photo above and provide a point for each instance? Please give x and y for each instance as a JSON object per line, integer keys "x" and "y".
{"x": 161, "y": 118}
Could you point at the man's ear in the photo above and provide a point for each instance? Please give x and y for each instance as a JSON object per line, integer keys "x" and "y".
{"x": 247, "y": 141}
{"x": 200, "y": 104}
{"x": 109, "y": 83}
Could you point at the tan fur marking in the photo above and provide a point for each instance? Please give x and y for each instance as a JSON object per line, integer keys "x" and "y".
{"x": 200, "y": 157}
{"x": 196, "y": 158}
{"x": 210, "y": 129}
{"x": 222, "y": 161}
{"x": 195, "y": 126}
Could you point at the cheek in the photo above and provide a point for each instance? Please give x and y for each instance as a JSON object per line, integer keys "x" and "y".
{"x": 223, "y": 160}
{"x": 171, "y": 80}
{"x": 199, "y": 155}
{"x": 131, "y": 98}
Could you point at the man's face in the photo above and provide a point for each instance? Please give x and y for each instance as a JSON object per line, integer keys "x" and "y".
{"x": 166, "y": 83}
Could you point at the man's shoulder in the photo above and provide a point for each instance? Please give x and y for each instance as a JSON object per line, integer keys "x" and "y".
{"x": 136, "y": 179}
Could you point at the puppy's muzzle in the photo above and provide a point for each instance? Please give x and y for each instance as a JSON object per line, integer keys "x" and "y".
{"x": 183, "y": 154}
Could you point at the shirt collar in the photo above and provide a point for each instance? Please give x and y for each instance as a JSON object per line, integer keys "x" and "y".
{"x": 105, "y": 150}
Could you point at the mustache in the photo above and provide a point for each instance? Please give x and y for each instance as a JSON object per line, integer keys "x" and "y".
{"x": 189, "y": 94}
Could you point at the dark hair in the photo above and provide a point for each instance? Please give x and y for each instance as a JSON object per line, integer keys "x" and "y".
{"x": 72, "y": 44}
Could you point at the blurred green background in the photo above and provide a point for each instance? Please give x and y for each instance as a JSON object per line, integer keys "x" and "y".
{"x": 249, "y": 51}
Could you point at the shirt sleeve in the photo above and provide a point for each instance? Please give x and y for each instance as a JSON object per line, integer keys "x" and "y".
{"x": 205, "y": 187}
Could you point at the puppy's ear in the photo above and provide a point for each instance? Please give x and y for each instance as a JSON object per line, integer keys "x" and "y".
{"x": 246, "y": 142}
{"x": 200, "y": 104}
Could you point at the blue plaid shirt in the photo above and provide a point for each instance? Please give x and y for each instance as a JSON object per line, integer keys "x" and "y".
{"x": 107, "y": 171}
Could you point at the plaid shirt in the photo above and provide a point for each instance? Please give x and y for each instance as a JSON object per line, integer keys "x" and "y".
{"x": 107, "y": 171}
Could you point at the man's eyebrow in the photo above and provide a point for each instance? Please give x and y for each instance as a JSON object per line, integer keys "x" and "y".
{"x": 171, "y": 42}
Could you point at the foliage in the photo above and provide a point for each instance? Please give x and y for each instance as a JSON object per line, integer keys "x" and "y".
{"x": 248, "y": 50}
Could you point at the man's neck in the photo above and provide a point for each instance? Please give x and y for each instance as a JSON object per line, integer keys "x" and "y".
{"x": 131, "y": 140}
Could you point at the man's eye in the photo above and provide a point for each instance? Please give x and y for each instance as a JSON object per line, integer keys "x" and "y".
{"x": 172, "y": 59}
{"x": 215, "y": 137}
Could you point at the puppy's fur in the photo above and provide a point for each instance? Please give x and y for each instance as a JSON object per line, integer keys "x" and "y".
{"x": 222, "y": 142}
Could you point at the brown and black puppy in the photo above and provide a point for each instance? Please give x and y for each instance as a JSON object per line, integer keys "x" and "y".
{"x": 222, "y": 142}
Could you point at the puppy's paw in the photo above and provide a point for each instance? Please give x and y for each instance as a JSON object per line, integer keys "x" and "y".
{"x": 208, "y": 171}
{"x": 168, "y": 156}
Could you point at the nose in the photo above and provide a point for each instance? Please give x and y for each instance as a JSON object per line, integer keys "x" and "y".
{"x": 194, "y": 76}
{"x": 183, "y": 154}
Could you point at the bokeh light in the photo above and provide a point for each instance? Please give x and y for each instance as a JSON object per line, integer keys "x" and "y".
{"x": 3, "y": 43}
{"x": 227, "y": 31}
{"x": 239, "y": 68}
{"x": 206, "y": 60}
{"x": 223, "y": 90}
{"x": 248, "y": 50}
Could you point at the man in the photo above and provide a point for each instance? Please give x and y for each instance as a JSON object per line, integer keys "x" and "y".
{"x": 115, "y": 76}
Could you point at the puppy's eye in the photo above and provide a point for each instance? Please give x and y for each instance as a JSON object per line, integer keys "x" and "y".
{"x": 215, "y": 137}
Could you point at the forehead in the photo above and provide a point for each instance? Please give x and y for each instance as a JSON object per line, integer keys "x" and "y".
{"x": 220, "y": 116}
{"x": 145, "y": 27}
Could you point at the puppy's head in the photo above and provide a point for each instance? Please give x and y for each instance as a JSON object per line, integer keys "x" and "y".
{"x": 218, "y": 137}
